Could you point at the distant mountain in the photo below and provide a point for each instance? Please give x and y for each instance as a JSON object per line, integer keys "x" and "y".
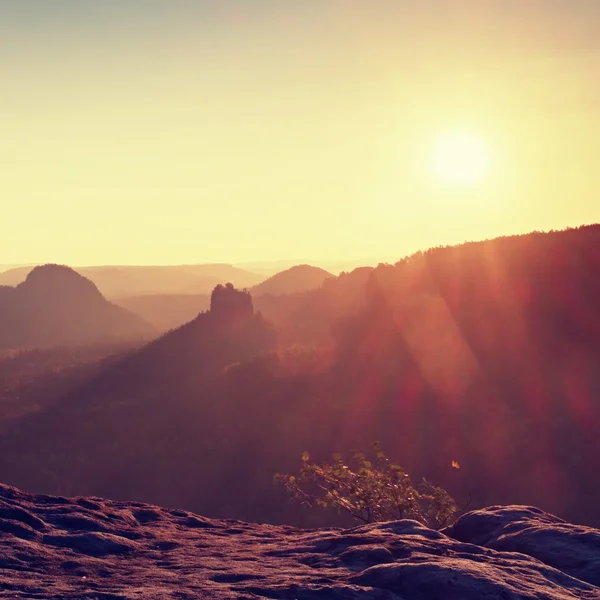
{"x": 120, "y": 282}
{"x": 56, "y": 306}
{"x": 123, "y": 281}
{"x": 269, "y": 268}
{"x": 166, "y": 311}
{"x": 15, "y": 275}
{"x": 299, "y": 278}
{"x": 154, "y": 393}
{"x": 229, "y": 332}
{"x": 4, "y": 268}
{"x": 484, "y": 354}
{"x": 307, "y": 318}
{"x": 302, "y": 316}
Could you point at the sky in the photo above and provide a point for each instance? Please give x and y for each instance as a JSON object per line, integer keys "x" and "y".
{"x": 189, "y": 131}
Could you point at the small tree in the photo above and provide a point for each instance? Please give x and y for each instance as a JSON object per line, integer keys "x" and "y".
{"x": 370, "y": 491}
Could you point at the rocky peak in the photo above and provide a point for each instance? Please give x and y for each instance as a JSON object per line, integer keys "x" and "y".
{"x": 228, "y": 305}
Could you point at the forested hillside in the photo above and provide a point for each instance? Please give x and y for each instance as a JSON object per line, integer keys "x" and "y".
{"x": 485, "y": 355}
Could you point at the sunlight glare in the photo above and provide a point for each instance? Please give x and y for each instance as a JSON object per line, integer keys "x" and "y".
{"x": 460, "y": 159}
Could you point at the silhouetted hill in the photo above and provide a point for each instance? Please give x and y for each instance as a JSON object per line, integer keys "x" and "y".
{"x": 123, "y": 281}
{"x": 486, "y": 354}
{"x": 55, "y": 306}
{"x": 489, "y": 357}
{"x": 228, "y": 333}
{"x": 132, "y": 403}
{"x": 300, "y": 278}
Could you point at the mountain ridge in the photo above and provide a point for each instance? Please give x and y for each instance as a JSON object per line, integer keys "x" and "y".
{"x": 169, "y": 311}
{"x": 485, "y": 354}
{"x": 120, "y": 281}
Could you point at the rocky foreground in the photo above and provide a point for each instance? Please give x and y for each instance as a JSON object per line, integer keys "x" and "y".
{"x": 54, "y": 547}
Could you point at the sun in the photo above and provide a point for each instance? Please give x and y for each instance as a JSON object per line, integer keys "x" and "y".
{"x": 460, "y": 159}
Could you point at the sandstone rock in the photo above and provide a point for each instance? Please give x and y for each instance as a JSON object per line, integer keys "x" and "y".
{"x": 94, "y": 548}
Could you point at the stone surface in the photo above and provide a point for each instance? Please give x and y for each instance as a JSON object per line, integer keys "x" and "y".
{"x": 90, "y": 548}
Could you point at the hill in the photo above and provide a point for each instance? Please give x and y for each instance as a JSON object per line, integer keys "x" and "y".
{"x": 123, "y": 281}
{"x": 94, "y": 548}
{"x": 487, "y": 352}
{"x": 484, "y": 354}
{"x": 4, "y": 268}
{"x": 56, "y": 306}
{"x": 227, "y": 333}
{"x": 299, "y": 278}
{"x": 136, "y": 387}
{"x": 13, "y": 276}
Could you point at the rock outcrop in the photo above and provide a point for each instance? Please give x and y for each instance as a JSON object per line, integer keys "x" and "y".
{"x": 55, "y": 547}
{"x": 230, "y": 306}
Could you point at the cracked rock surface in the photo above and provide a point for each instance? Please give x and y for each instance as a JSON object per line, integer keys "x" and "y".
{"x": 91, "y": 548}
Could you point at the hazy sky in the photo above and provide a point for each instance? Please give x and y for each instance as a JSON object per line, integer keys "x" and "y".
{"x": 180, "y": 131}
